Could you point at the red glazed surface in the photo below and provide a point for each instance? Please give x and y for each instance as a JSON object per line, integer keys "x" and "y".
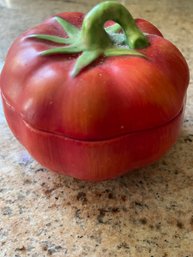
{"x": 118, "y": 114}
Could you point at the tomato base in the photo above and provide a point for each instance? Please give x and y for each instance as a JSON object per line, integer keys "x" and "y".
{"x": 94, "y": 160}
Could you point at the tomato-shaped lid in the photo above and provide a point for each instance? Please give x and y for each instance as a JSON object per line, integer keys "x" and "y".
{"x": 72, "y": 77}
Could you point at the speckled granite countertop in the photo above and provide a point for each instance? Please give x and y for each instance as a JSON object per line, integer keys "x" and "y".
{"x": 148, "y": 213}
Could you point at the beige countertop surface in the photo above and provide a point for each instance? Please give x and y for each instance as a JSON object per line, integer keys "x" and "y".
{"x": 147, "y": 213}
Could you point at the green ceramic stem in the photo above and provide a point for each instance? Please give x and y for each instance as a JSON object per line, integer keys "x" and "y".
{"x": 93, "y": 40}
{"x": 94, "y": 35}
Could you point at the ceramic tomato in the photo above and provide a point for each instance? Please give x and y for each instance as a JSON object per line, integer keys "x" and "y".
{"x": 94, "y": 102}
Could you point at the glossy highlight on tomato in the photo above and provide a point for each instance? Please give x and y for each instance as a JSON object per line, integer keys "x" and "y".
{"x": 94, "y": 102}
